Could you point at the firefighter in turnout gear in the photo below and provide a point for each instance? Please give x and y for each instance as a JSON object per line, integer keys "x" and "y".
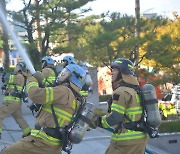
{"x": 59, "y": 104}
{"x": 48, "y": 72}
{"x": 12, "y": 101}
{"x": 125, "y": 103}
{"x": 48, "y": 79}
{"x": 72, "y": 72}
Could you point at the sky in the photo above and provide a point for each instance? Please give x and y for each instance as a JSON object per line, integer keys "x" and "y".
{"x": 161, "y": 7}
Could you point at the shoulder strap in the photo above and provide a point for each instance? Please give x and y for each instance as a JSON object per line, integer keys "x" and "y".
{"x": 54, "y": 116}
{"x": 66, "y": 145}
{"x": 139, "y": 91}
{"x": 77, "y": 95}
{"x": 54, "y": 69}
{"x": 131, "y": 123}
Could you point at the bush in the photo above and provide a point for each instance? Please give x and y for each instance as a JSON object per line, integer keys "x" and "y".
{"x": 104, "y": 98}
{"x": 8, "y": 70}
{"x": 169, "y": 126}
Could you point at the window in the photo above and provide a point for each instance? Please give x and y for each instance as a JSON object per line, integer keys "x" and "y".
{"x": 167, "y": 97}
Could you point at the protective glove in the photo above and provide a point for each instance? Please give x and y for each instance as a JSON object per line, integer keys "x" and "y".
{"x": 39, "y": 77}
{"x": 5, "y": 77}
{"x": 3, "y": 87}
{"x": 90, "y": 90}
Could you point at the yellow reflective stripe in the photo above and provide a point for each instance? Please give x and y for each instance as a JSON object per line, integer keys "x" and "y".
{"x": 11, "y": 79}
{"x": 74, "y": 105}
{"x": 60, "y": 113}
{"x": 128, "y": 136}
{"x": 132, "y": 117}
{"x": 26, "y": 130}
{"x": 134, "y": 110}
{"x": 19, "y": 88}
{"x": 50, "y": 79}
{"x": 131, "y": 66}
{"x": 104, "y": 122}
{"x": 118, "y": 108}
{"x": 11, "y": 98}
{"x": 11, "y": 86}
{"x": 31, "y": 84}
{"x": 84, "y": 92}
{"x": 138, "y": 99}
{"x": 61, "y": 122}
{"x": 45, "y": 137}
{"x": 49, "y": 95}
{"x": 118, "y": 61}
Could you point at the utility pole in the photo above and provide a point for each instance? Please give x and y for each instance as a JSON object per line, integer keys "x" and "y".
{"x": 137, "y": 30}
{"x": 37, "y": 25}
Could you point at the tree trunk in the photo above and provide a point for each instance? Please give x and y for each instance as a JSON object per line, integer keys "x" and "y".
{"x": 137, "y": 30}
{"x": 5, "y": 39}
{"x": 37, "y": 24}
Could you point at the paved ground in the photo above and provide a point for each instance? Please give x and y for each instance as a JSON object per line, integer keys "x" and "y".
{"x": 95, "y": 141}
{"x": 11, "y": 133}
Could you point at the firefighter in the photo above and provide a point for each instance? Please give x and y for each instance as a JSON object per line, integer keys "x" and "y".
{"x": 73, "y": 70}
{"x": 12, "y": 101}
{"x": 59, "y": 105}
{"x": 88, "y": 87}
{"x": 48, "y": 76}
{"x": 48, "y": 71}
{"x": 125, "y": 103}
{"x": 167, "y": 109}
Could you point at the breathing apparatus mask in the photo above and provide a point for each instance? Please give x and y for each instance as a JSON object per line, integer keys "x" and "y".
{"x": 21, "y": 68}
{"x": 68, "y": 60}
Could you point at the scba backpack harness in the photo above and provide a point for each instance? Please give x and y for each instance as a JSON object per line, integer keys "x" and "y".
{"x": 142, "y": 125}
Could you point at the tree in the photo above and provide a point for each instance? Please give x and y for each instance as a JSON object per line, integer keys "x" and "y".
{"x": 110, "y": 38}
{"x": 54, "y": 16}
{"x": 4, "y": 36}
{"x": 164, "y": 49}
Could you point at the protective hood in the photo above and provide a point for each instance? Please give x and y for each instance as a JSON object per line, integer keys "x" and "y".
{"x": 130, "y": 79}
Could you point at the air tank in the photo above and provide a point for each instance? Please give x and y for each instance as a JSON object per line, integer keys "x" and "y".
{"x": 151, "y": 105}
{"x": 87, "y": 115}
{"x": 102, "y": 108}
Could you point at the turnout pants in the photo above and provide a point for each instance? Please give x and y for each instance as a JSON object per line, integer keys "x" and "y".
{"x": 31, "y": 145}
{"x": 136, "y": 146}
{"x": 13, "y": 109}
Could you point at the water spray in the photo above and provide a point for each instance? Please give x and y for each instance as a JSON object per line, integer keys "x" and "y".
{"x": 16, "y": 41}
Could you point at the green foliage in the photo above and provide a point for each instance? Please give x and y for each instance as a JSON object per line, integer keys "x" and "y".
{"x": 169, "y": 126}
{"x": 99, "y": 39}
{"x": 1, "y": 43}
{"x": 49, "y": 19}
{"x": 104, "y": 98}
{"x": 9, "y": 70}
{"x": 163, "y": 47}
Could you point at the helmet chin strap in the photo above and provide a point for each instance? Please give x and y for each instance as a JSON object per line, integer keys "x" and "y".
{"x": 44, "y": 64}
{"x": 65, "y": 63}
{"x": 119, "y": 76}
